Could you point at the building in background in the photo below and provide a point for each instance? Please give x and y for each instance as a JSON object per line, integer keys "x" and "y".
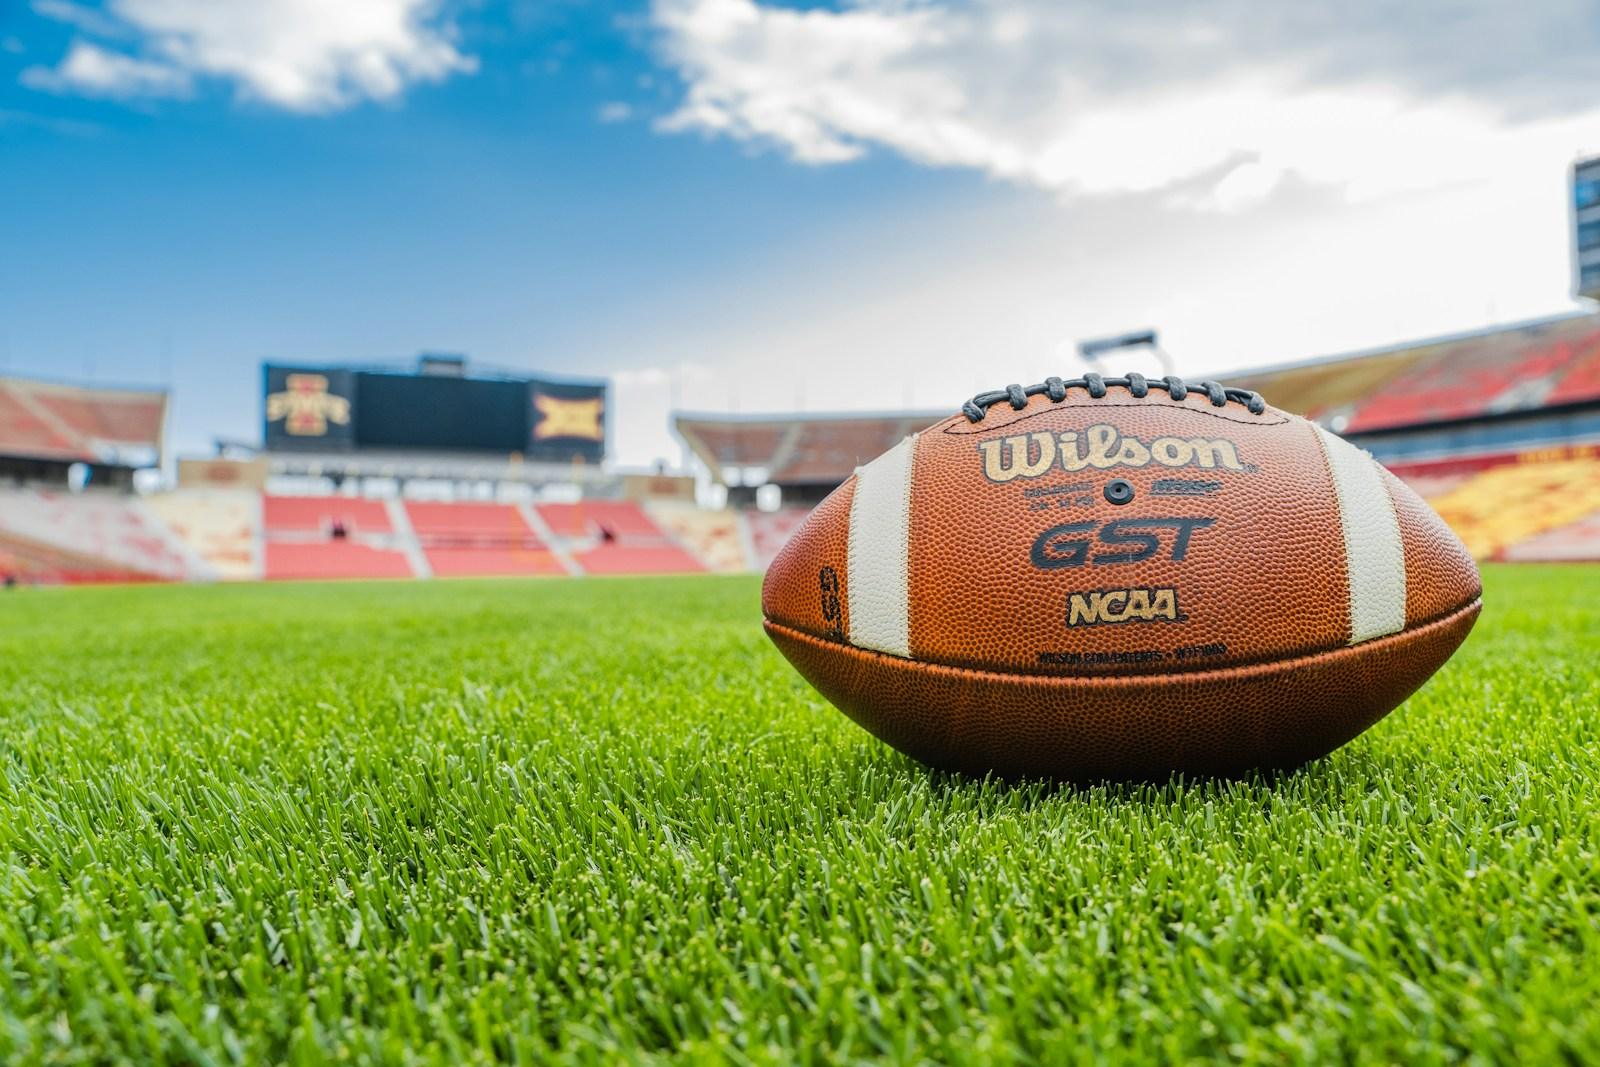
{"x": 1586, "y": 228}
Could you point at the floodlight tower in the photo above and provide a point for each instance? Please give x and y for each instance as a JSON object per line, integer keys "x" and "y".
{"x": 1092, "y": 351}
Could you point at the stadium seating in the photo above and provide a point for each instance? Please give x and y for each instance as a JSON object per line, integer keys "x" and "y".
{"x": 1458, "y": 382}
{"x": 334, "y": 559}
{"x": 321, "y": 514}
{"x": 37, "y": 563}
{"x": 1508, "y": 504}
{"x": 1574, "y": 542}
{"x": 600, "y": 518}
{"x": 769, "y": 530}
{"x": 47, "y": 420}
{"x": 331, "y": 537}
{"x": 821, "y": 450}
{"x": 489, "y": 562}
{"x": 222, "y": 525}
{"x": 716, "y": 538}
{"x": 24, "y": 432}
{"x": 1582, "y": 378}
{"x": 106, "y": 533}
{"x": 1519, "y": 368}
{"x": 1327, "y": 389}
{"x": 616, "y": 537}
{"x": 472, "y": 539}
{"x": 613, "y": 558}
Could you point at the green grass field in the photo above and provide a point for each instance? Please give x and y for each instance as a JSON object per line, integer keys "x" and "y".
{"x": 603, "y": 820}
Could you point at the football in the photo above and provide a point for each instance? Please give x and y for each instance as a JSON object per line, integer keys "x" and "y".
{"x": 1120, "y": 578}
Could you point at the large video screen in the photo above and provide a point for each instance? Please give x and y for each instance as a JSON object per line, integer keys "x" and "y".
{"x": 412, "y": 411}
{"x": 310, "y": 409}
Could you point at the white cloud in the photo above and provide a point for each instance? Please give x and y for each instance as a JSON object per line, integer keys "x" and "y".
{"x": 300, "y": 55}
{"x": 614, "y": 111}
{"x": 87, "y": 19}
{"x": 93, "y": 71}
{"x": 1214, "y": 104}
{"x": 1257, "y": 190}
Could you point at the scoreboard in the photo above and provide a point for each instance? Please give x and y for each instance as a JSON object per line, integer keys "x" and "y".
{"x": 340, "y": 409}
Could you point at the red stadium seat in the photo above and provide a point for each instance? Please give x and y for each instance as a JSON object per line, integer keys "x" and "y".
{"x": 319, "y": 514}
{"x": 592, "y": 518}
{"x": 490, "y": 562}
{"x": 769, "y": 530}
{"x": 469, "y": 520}
{"x": 333, "y": 559}
{"x": 647, "y": 559}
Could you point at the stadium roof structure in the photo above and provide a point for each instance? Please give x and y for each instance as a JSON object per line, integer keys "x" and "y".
{"x": 1541, "y": 365}
{"x": 66, "y": 423}
{"x": 797, "y": 450}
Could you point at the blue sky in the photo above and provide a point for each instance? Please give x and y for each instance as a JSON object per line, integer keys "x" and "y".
{"x": 759, "y": 206}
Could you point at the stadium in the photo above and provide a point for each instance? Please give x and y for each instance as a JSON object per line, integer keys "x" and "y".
{"x": 651, "y": 672}
{"x": 1499, "y": 430}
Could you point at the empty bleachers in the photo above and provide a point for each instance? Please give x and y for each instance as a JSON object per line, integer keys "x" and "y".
{"x": 26, "y": 432}
{"x": 52, "y": 421}
{"x": 1520, "y": 368}
{"x": 769, "y": 530}
{"x": 307, "y": 537}
{"x": 333, "y": 559}
{"x": 616, "y": 537}
{"x": 600, "y": 518}
{"x": 107, "y": 533}
{"x": 479, "y": 539}
{"x": 249, "y": 535}
{"x": 613, "y": 558}
{"x": 38, "y": 563}
{"x": 1573, "y": 542}
{"x": 324, "y": 514}
{"x": 1522, "y": 506}
{"x": 716, "y": 538}
{"x": 223, "y": 526}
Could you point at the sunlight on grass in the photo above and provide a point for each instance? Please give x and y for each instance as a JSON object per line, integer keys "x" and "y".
{"x": 469, "y": 822}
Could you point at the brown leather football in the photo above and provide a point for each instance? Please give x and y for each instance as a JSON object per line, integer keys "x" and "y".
{"x": 1120, "y": 577}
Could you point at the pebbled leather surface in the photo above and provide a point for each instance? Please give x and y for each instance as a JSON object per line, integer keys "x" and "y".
{"x": 791, "y": 592}
{"x": 1265, "y": 579}
{"x": 1440, "y": 573}
{"x": 1141, "y": 727}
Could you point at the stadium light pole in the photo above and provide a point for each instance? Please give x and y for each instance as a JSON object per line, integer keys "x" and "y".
{"x": 1093, "y": 350}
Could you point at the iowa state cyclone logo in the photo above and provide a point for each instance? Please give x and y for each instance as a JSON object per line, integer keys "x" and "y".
{"x": 306, "y": 407}
{"x": 1032, "y": 455}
